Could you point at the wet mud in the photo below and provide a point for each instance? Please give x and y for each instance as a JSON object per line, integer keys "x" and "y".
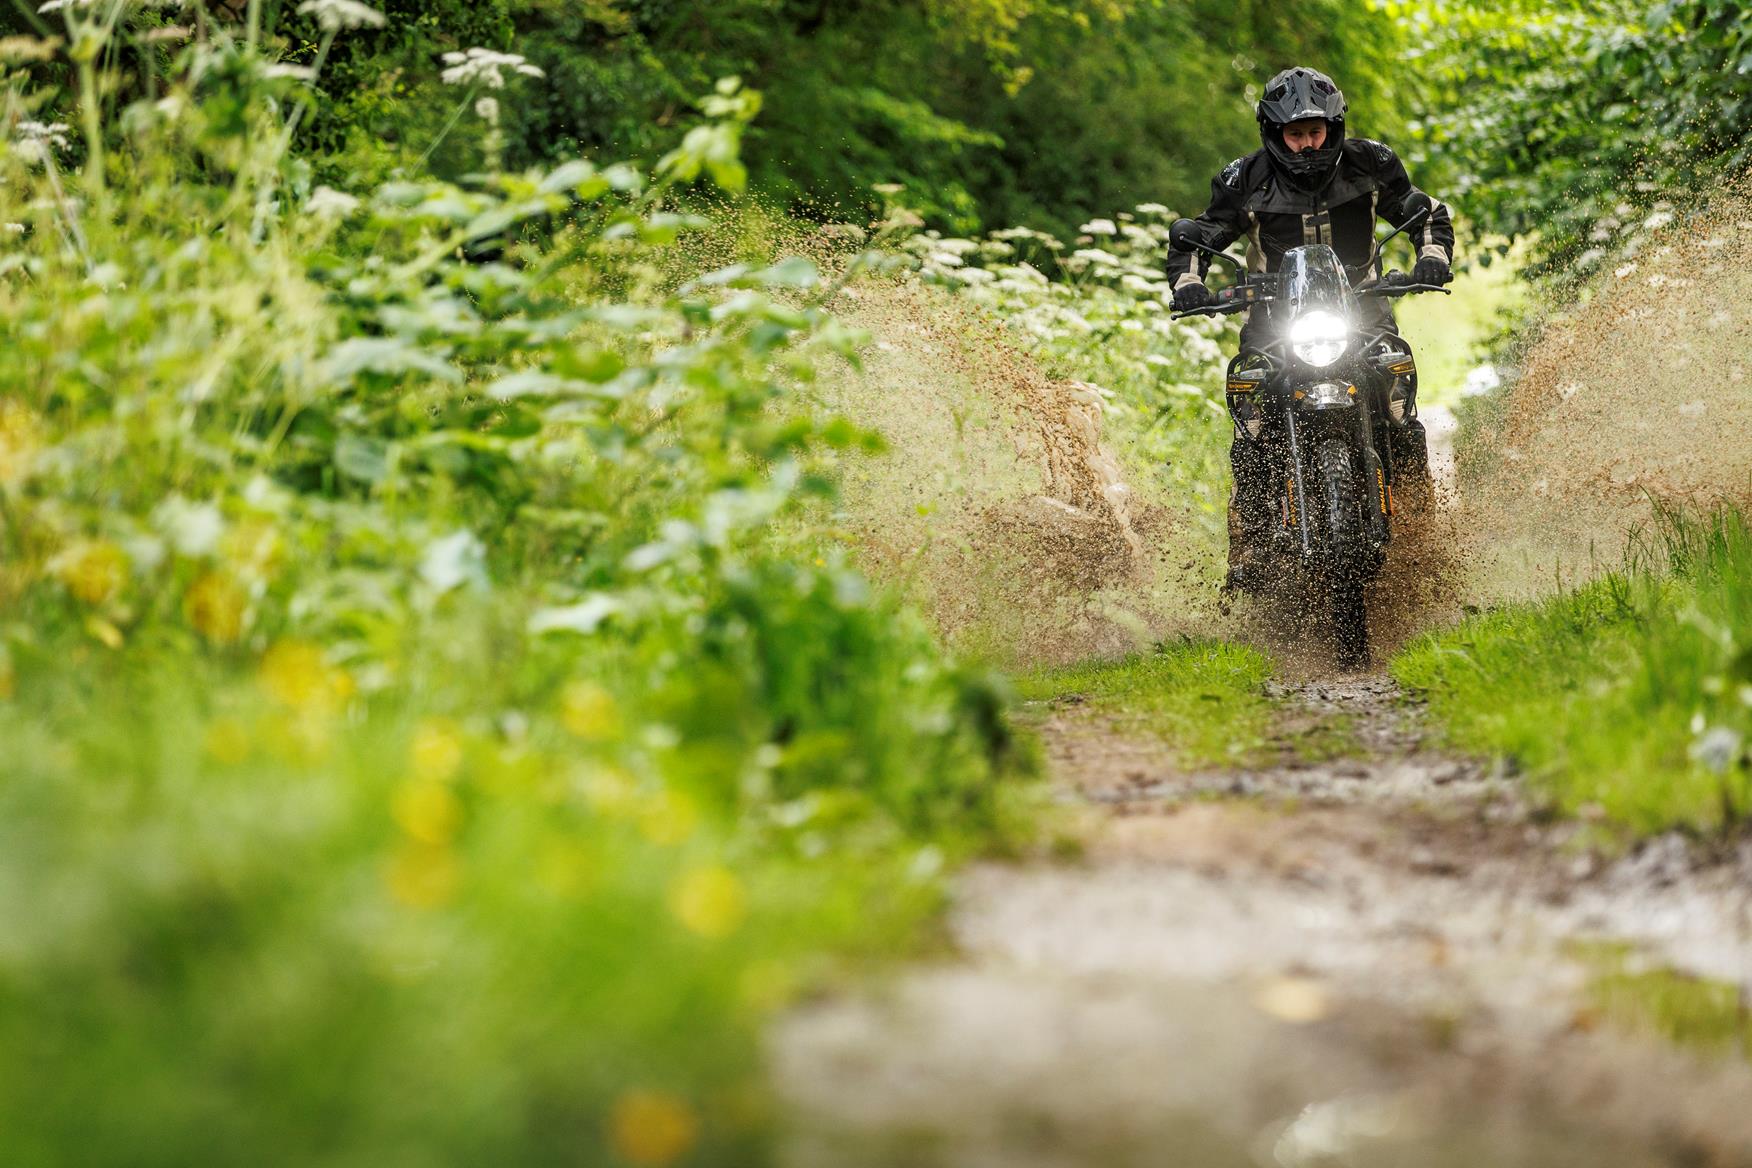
{"x": 1387, "y": 958}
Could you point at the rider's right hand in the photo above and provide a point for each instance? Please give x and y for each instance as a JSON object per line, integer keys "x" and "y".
{"x": 1191, "y": 296}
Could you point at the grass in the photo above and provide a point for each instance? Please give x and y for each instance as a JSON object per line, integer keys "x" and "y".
{"x": 1205, "y": 698}
{"x": 1697, "y": 1013}
{"x": 1629, "y": 698}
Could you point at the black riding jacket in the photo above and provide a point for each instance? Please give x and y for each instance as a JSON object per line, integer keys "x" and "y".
{"x": 1251, "y": 199}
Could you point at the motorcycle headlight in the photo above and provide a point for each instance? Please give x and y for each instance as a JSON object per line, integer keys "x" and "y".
{"x": 1319, "y": 337}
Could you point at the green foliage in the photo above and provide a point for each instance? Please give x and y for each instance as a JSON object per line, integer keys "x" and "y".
{"x": 1583, "y": 125}
{"x": 1205, "y": 698}
{"x": 1631, "y": 697}
{"x": 1004, "y": 111}
{"x": 439, "y": 728}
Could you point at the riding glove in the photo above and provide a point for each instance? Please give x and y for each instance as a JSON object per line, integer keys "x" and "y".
{"x": 1431, "y": 270}
{"x": 1193, "y": 296}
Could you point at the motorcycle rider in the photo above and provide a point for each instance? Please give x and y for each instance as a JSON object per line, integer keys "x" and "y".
{"x": 1309, "y": 183}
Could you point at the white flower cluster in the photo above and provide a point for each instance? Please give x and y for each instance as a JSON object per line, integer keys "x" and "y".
{"x": 485, "y": 67}
{"x": 38, "y": 140}
{"x": 1104, "y": 308}
{"x": 334, "y": 15}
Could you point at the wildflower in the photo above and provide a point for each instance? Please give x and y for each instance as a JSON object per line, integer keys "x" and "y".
{"x": 327, "y": 203}
{"x": 215, "y": 606}
{"x": 1717, "y": 749}
{"x": 709, "y": 901}
{"x": 92, "y": 570}
{"x": 37, "y": 141}
{"x": 286, "y": 69}
{"x": 590, "y": 712}
{"x": 487, "y": 109}
{"x": 485, "y": 67}
{"x": 435, "y": 754}
{"x": 1099, "y": 227}
{"x": 334, "y": 15}
{"x": 295, "y": 674}
{"x": 192, "y": 528}
{"x": 428, "y": 812}
{"x": 652, "y": 1128}
{"x": 20, "y": 439}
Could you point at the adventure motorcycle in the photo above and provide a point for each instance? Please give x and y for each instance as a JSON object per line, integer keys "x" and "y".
{"x": 1320, "y": 396}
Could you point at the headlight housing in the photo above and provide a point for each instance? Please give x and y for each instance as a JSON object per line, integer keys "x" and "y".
{"x": 1319, "y": 338}
{"x": 1327, "y": 395}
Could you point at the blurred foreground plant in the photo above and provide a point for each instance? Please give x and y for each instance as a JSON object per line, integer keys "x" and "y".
{"x": 436, "y": 731}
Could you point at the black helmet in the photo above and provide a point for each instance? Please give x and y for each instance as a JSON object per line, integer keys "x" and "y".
{"x": 1291, "y": 96}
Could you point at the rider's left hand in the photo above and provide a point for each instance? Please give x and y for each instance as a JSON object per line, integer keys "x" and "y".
{"x": 1431, "y": 270}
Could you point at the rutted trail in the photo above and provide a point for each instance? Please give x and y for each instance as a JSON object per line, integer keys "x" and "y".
{"x": 1382, "y": 959}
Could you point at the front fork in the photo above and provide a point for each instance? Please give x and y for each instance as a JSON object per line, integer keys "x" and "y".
{"x": 1377, "y": 495}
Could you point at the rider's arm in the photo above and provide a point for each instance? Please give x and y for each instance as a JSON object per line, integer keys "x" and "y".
{"x": 1400, "y": 201}
{"x": 1222, "y": 223}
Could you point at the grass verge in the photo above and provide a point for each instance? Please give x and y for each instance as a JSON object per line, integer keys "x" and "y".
{"x": 1204, "y": 698}
{"x": 1630, "y": 698}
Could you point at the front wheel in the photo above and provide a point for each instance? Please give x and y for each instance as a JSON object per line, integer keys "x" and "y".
{"x": 1345, "y": 555}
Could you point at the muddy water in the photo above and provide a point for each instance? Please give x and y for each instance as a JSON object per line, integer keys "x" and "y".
{"x": 1382, "y": 960}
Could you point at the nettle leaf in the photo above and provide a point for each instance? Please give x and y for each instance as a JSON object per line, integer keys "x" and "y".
{"x": 386, "y": 357}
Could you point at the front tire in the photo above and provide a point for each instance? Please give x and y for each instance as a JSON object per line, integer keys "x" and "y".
{"x": 1345, "y": 554}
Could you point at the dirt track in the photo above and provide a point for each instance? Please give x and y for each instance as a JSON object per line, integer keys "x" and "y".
{"x": 1381, "y": 960}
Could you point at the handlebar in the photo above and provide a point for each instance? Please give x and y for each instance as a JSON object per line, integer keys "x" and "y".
{"x": 1244, "y": 296}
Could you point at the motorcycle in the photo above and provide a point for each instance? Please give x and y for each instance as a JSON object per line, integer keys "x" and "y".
{"x": 1320, "y": 397}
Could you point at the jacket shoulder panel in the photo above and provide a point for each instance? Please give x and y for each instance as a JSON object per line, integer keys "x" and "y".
{"x": 1371, "y": 154}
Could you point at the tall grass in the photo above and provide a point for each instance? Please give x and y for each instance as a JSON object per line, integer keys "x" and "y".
{"x": 1630, "y": 698}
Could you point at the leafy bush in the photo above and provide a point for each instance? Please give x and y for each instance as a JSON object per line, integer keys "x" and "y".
{"x": 1583, "y": 126}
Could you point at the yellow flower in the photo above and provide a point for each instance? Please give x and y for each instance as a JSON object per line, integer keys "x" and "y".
{"x": 295, "y": 674}
{"x": 652, "y": 1128}
{"x": 20, "y": 438}
{"x": 253, "y": 548}
{"x": 590, "y": 712}
{"x": 668, "y": 818}
{"x": 214, "y": 606}
{"x": 429, "y": 812}
{"x": 93, "y": 570}
{"x": 709, "y": 901}
{"x": 435, "y": 754}
{"x": 423, "y": 877}
{"x": 227, "y": 742}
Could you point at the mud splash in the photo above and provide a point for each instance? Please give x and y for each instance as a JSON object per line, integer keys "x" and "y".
{"x": 1635, "y": 399}
{"x": 1001, "y": 506}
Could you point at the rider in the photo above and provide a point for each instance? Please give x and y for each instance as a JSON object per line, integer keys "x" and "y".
{"x": 1309, "y": 184}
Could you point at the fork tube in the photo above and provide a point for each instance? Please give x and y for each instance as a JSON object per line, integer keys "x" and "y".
{"x": 1303, "y": 527}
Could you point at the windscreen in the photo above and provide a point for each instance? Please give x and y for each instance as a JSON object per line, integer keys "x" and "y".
{"x": 1313, "y": 277}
